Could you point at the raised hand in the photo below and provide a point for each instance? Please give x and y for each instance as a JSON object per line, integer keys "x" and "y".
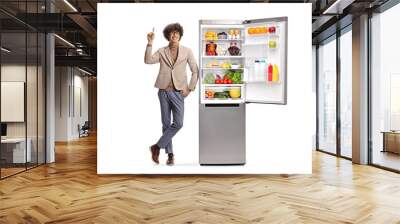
{"x": 150, "y": 37}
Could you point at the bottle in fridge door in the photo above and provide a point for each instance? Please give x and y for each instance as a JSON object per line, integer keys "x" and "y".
{"x": 256, "y": 70}
{"x": 275, "y": 74}
{"x": 270, "y": 71}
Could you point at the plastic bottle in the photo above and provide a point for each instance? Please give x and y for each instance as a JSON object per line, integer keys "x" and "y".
{"x": 256, "y": 70}
{"x": 262, "y": 75}
{"x": 275, "y": 74}
{"x": 261, "y": 69}
{"x": 270, "y": 68}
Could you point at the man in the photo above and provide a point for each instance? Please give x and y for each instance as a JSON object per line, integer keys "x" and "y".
{"x": 172, "y": 85}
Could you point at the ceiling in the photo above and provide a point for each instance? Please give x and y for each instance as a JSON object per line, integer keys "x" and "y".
{"x": 76, "y": 21}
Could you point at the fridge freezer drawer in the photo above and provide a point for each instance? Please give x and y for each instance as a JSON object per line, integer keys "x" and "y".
{"x": 222, "y": 134}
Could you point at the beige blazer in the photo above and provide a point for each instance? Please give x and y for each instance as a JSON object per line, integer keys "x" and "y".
{"x": 177, "y": 71}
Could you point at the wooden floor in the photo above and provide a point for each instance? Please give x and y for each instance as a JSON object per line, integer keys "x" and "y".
{"x": 70, "y": 191}
{"x": 8, "y": 171}
{"x": 5, "y": 172}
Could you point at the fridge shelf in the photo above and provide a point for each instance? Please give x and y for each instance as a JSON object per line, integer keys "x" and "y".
{"x": 205, "y": 56}
{"x": 223, "y": 40}
{"x": 223, "y": 85}
{"x": 255, "y": 43}
{"x": 262, "y": 35}
{"x": 222, "y": 68}
{"x": 268, "y": 83}
{"x": 222, "y": 26}
{"x": 264, "y": 43}
{"x": 222, "y": 101}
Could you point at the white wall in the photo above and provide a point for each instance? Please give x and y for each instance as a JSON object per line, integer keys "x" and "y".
{"x": 68, "y": 82}
{"x": 61, "y": 103}
{"x": 80, "y": 83}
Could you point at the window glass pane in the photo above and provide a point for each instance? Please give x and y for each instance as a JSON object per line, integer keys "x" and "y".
{"x": 346, "y": 94}
{"x": 13, "y": 88}
{"x": 385, "y": 85}
{"x": 327, "y": 97}
{"x": 314, "y": 88}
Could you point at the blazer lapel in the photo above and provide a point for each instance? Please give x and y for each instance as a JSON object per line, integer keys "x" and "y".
{"x": 168, "y": 56}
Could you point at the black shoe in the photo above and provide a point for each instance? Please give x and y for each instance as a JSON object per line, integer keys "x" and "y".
{"x": 170, "y": 160}
{"x": 155, "y": 152}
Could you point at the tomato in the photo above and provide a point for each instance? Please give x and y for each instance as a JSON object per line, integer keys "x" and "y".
{"x": 217, "y": 81}
{"x": 225, "y": 81}
{"x": 229, "y": 81}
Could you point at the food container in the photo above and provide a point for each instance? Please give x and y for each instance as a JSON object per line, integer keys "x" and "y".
{"x": 211, "y": 49}
{"x": 225, "y": 65}
{"x": 233, "y": 49}
{"x": 237, "y": 34}
{"x": 209, "y": 94}
{"x": 222, "y": 36}
{"x": 222, "y": 49}
{"x": 235, "y": 66}
{"x": 210, "y": 35}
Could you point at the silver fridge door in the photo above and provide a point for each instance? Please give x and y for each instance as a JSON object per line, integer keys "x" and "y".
{"x": 265, "y": 52}
{"x": 222, "y": 134}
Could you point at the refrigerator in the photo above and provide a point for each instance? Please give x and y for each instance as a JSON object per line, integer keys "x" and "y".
{"x": 241, "y": 61}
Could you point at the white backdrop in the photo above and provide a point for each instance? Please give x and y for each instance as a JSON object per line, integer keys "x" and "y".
{"x": 278, "y": 137}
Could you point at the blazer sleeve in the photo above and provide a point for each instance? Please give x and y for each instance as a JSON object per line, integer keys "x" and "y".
{"x": 149, "y": 58}
{"x": 195, "y": 70}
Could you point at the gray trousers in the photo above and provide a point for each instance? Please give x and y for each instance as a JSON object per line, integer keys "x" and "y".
{"x": 170, "y": 101}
